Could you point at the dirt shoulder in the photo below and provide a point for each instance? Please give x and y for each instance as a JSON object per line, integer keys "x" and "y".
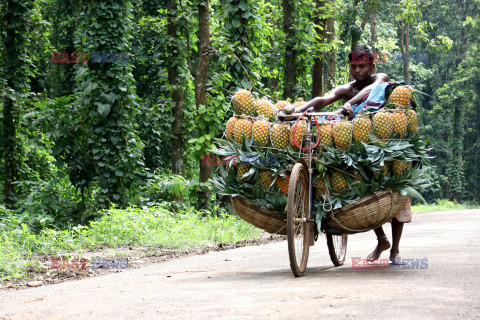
{"x": 52, "y": 270}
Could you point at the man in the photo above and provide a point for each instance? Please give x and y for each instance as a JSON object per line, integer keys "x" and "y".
{"x": 361, "y": 68}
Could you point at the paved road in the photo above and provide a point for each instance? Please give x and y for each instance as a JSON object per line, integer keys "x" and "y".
{"x": 256, "y": 283}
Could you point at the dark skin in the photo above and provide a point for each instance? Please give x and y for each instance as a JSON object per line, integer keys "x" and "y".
{"x": 353, "y": 93}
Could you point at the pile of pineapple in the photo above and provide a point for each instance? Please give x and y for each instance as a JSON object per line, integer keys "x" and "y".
{"x": 392, "y": 122}
{"x": 257, "y": 120}
{"x": 255, "y": 132}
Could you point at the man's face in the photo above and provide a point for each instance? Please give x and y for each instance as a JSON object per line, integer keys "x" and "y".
{"x": 361, "y": 71}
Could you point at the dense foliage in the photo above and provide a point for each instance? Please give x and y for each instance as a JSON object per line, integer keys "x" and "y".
{"x": 99, "y": 121}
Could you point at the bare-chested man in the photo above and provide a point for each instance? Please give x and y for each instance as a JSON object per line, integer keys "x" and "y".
{"x": 361, "y": 68}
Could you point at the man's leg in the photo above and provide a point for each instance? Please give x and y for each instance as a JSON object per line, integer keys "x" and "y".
{"x": 397, "y": 228}
{"x": 382, "y": 244}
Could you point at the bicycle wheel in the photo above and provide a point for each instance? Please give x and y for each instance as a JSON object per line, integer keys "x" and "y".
{"x": 337, "y": 248}
{"x": 298, "y": 226}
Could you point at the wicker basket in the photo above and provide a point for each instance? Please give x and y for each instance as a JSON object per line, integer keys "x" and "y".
{"x": 368, "y": 213}
{"x": 261, "y": 218}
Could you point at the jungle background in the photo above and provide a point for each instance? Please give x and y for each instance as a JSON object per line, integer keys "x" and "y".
{"x": 130, "y": 124}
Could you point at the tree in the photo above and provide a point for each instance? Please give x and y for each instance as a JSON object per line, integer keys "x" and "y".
{"x": 320, "y": 29}
{"x": 14, "y": 74}
{"x": 331, "y": 54}
{"x": 173, "y": 55}
{"x": 106, "y": 106}
{"x": 290, "y": 53}
{"x": 201, "y": 73}
{"x": 238, "y": 17}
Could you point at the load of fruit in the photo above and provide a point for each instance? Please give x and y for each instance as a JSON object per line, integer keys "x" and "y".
{"x": 378, "y": 150}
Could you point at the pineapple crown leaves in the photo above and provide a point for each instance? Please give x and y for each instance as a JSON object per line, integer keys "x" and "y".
{"x": 226, "y": 183}
{"x": 258, "y": 157}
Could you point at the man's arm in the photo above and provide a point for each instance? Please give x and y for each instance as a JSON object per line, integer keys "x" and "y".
{"x": 319, "y": 103}
{"x": 379, "y": 78}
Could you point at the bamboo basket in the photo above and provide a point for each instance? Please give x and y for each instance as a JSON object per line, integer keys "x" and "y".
{"x": 267, "y": 220}
{"x": 368, "y": 213}
{"x": 364, "y": 215}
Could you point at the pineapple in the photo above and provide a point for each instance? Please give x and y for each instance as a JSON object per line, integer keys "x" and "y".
{"x": 399, "y": 123}
{"x": 342, "y": 133}
{"x": 400, "y": 96}
{"x": 300, "y": 131}
{"x": 338, "y": 181}
{"x": 241, "y": 171}
{"x": 383, "y": 124}
{"x": 265, "y": 108}
{"x": 280, "y": 135}
{"x": 401, "y": 168}
{"x": 326, "y": 135}
{"x": 282, "y": 103}
{"x": 260, "y": 131}
{"x": 320, "y": 187}
{"x": 243, "y": 102}
{"x": 384, "y": 171}
{"x": 362, "y": 127}
{"x": 282, "y": 183}
{"x": 230, "y": 127}
{"x": 265, "y": 179}
{"x": 412, "y": 120}
{"x": 298, "y": 103}
{"x": 243, "y": 128}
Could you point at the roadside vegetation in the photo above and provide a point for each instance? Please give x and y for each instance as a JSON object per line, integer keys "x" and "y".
{"x": 443, "y": 205}
{"x": 156, "y": 227}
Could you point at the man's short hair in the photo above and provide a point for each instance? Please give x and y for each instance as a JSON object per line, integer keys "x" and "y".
{"x": 361, "y": 54}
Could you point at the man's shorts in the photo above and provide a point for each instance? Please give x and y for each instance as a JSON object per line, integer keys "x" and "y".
{"x": 406, "y": 214}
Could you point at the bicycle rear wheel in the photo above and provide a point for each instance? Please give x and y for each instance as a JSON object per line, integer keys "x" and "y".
{"x": 337, "y": 248}
{"x": 298, "y": 224}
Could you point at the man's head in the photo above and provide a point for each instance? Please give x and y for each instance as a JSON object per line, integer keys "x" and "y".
{"x": 361, "y": 62}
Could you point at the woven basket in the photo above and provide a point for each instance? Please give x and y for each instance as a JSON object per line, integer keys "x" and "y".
{"x": 364, "y": 215}
{"x": 368, "y": 213}
{"x": 267, "y": 220}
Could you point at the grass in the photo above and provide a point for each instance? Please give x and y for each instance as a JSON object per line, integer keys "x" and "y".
{"x": 443, "y": 205}
{"x": 146, "y": 227}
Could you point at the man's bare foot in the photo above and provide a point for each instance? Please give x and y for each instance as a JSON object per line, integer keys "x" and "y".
{"x": 395, "y": 258}
{"x": 382, "y": 245}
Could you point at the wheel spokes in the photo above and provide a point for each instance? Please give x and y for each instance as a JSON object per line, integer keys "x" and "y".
{"x": 299, "y": 209}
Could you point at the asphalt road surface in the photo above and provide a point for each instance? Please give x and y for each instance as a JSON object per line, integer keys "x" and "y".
{"x": 256, "y": 283}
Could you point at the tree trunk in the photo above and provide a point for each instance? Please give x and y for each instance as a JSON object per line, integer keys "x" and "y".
{"x": 177, "y": 94}
{"x": 331, "y": 55}
{"x": 201, "y": 76}
{"x": 373, "y": 31}
{"x": 290, "y": 54}
{"x": 239, "y": 38}
{"x": 317, "y": 76}
{"x": 406, "y": 64}
{"x": 16, "y": 64}
{"x": 404, "y": 41}
{"x": 457, "y": 177}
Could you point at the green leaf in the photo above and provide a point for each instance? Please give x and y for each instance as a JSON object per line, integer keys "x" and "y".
{"x": 103, "y": 109}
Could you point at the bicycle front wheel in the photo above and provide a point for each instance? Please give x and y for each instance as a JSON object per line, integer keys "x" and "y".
{"x": 298, "y": 224}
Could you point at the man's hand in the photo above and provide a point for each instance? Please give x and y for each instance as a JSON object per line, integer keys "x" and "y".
{"x": 346, "y": 108}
